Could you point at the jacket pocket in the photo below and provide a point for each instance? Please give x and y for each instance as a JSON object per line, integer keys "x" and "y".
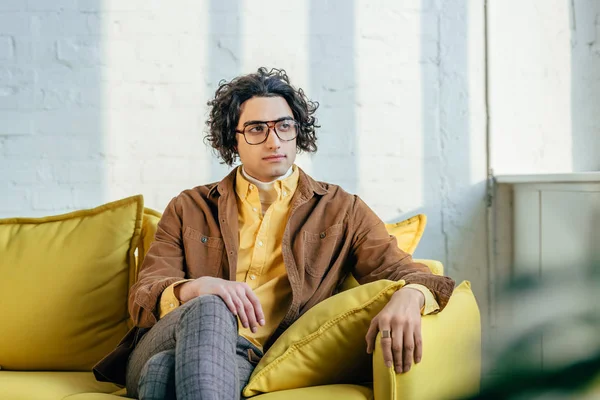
{"x": 319, "y": 249}
{"x": 203, "y": 253}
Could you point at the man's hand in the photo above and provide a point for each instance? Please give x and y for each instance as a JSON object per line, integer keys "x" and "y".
{"x": 401, "y": 318}
{"x": 238, "y": 296}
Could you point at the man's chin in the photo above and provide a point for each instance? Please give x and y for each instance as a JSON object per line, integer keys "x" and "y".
{"x": 278, "y": 171}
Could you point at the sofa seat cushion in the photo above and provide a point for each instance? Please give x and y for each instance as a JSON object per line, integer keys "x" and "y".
{"x": 326, "y": 392}
{"x": 95, "y": 396}
{"x": 18, "y": 385}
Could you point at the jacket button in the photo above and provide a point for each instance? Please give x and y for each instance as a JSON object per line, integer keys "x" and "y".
{"x": 204, "y": 239}
{"x": 322, "y": 235}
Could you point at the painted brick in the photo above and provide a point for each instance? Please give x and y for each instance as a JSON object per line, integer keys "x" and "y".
{"x": 7, "y": 48}
{"x": 124, "y": 172}
{"x": 13, "y": 201}
{"x": 65, "y": 121}
{"x": 17, "y": 76}
{"x": 63, "y": 24}
{"x": 23, "y": 173}
{"x": 88, "y": 195}
{"x": 80, "y": 172}
{"x": 17, "y": 97}
{"x": 55, "y": 147}
{"x": 15, "y": 122}
{"x": 80, "y": 51}
{"x": 24, "y": 50}
{"x": 113, "y": 5}
{"x": 172, "y": 170}
{"x": 15, "y": 23}
{"x": 54, "y": 5}
{"x": 53, "y": 199}
{"x": 12, "y": 5}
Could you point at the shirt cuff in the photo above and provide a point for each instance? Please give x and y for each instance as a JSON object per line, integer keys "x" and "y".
{"x": 168, "y": 300}
{"x": 430, "y": 305}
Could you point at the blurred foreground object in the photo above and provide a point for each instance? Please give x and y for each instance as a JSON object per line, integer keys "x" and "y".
{"x": 560, "y": 311}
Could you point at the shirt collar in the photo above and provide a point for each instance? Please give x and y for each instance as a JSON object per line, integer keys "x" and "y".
{"x": 306, "y": 185}
{"x": 286, "y": 184}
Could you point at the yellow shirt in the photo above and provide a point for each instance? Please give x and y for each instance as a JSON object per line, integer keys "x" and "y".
{"x": 260, "y": 258}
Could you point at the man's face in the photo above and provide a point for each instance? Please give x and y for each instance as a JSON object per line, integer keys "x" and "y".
{"x": 273, "y": 158}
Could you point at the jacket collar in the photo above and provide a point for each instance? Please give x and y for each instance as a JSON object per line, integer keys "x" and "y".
{"x": 306, "y": 185}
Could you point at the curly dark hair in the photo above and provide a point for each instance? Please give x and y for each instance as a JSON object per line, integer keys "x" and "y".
{"x": 225, "y": 110}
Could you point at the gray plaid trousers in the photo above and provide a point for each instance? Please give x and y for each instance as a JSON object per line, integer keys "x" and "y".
{"x": 194, "y": 352}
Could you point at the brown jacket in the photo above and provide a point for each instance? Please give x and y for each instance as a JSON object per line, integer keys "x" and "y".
{"x": 330, "y": 234}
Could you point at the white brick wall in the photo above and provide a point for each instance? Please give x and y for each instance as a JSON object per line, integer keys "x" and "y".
{"x": 545, "y": 91}
{"x": 103, "y": 99}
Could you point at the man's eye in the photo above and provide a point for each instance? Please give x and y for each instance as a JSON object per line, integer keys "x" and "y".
{"x": 284, "y": 126}
{"x": 256, "y": 129}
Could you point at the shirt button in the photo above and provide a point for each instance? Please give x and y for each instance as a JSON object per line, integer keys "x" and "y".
{"x": 260, "y": 243}
{"x": 204, "y": 239}
{"x": 254, "y": 209}
{"x": 171, "y": 305}
{"x": 253, "y": 277}
{"x": 322, "y": 235}
{"x": 284, "y": 193}
{"x": 250, "y": 186}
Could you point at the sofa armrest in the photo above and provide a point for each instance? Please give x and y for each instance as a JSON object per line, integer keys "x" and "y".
{"x": 435, "y": 266}
{"x": 451, "y": 363}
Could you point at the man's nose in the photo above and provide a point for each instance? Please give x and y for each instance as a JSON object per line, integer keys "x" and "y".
{"x": 273, "y": 141}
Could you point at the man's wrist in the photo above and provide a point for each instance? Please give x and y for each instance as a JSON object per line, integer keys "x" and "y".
{"x": 416, "y": 293}
{"x": 183, "y": 292}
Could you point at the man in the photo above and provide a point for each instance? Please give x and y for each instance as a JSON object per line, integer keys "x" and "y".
{"x": 237, "y": 262}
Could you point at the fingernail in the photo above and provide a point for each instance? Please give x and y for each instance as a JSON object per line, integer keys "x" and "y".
{"x": 253, "y": 329}
{"x": 418, "y": 360}
{"x": 406, "y": 369}
{"x": 388, "y": 364}
{"x": 262, "y": 321}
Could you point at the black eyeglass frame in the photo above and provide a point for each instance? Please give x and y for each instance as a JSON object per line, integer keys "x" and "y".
{"x": 270, "y": 126}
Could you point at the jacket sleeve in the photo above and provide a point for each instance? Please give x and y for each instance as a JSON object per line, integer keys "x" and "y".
{"x": 377, "y": 256}
{"x": 163, "y": 265}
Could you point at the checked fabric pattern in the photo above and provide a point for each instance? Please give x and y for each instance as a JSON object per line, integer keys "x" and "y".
{"x": 194, "y": 352}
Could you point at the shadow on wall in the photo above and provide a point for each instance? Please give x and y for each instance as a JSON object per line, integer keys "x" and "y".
{"x": 333, "y": 82}
{"x": 585, "y": 84}
{"x": 225, "y": 55}
{"x": 52, "y": 152}
{"x": 447, "y": 191}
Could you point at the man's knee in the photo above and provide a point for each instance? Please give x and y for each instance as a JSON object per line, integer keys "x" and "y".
{"x": 209, "y": 305}
{"x": 163, "y": 361}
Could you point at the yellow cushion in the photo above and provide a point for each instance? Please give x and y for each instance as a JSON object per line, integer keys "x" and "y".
{"x": 95, "y": 396}
{"x": 18, "y": 385}
{"x": 326, "y": 345}
{"x": 409, "y": 232}
{"x": 64, "y": 285}
{"x": 435, "y": 266}
{"x": 328, "y": 392}
{"x": 451, "y": 363}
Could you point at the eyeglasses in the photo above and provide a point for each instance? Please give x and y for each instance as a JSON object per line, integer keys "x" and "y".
{"x": 257, "y": 132}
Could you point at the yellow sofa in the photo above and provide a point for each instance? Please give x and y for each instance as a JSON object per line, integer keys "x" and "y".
{"x": 51, "y": 270}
